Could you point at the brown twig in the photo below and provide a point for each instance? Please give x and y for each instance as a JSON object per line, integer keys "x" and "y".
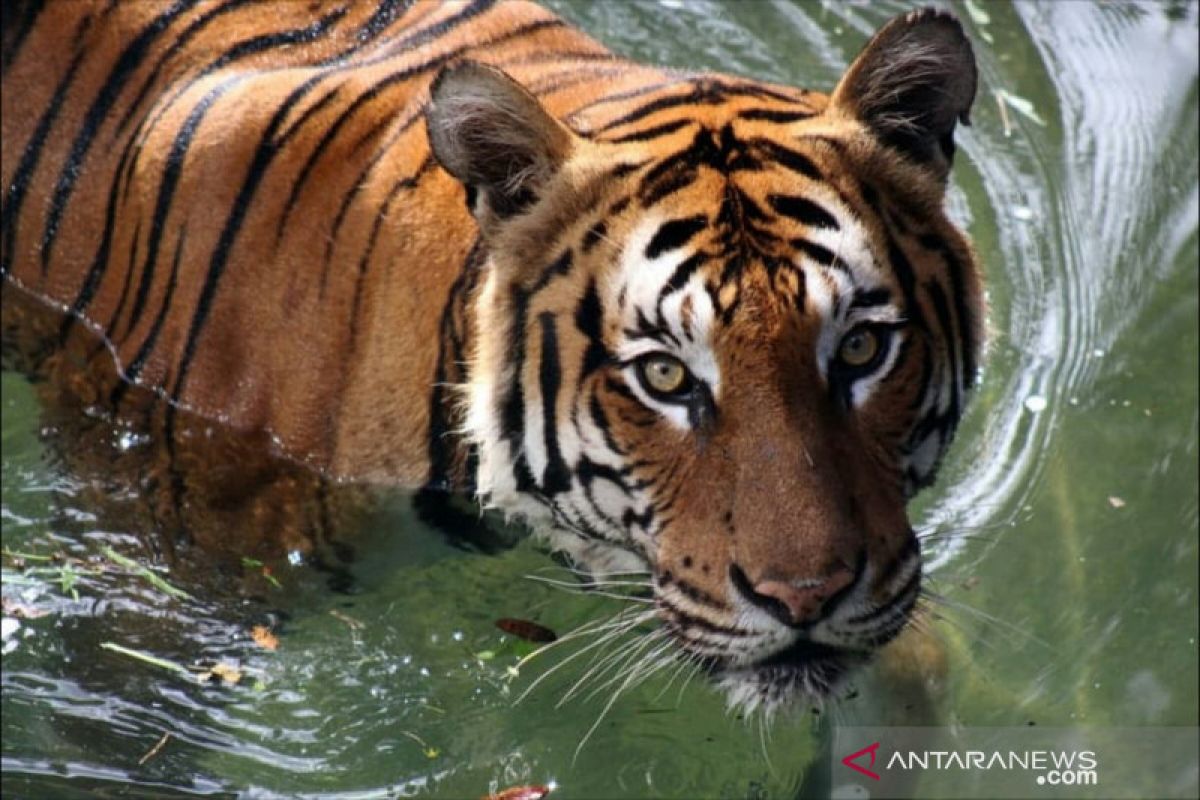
{"x": 153, "y": 751}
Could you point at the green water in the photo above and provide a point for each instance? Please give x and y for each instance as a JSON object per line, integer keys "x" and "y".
{"x": 1063, "y": 533}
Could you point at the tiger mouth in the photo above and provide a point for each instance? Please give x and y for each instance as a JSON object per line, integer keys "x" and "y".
{"x": 806, "y": 671}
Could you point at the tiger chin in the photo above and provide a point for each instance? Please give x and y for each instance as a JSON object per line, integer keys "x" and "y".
{"x": 724, "y": 344}
{"x": 703, "y": 328}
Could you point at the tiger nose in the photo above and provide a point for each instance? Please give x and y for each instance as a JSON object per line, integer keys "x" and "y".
{"x": 794, "y": 603}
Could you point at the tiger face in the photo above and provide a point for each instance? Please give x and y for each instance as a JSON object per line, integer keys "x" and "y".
{"x": 725, "y": 342}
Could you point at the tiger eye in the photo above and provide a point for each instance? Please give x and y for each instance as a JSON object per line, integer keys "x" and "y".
{"x": 859, "y": 347}
{"x": 664, "y": 374}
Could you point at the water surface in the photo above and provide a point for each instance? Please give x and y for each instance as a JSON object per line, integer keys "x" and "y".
{"x": 1063, "y": 533}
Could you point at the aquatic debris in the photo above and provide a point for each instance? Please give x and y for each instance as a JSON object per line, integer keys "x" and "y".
{"x": 1116, "y": 502}
{"x": 1035, "y": 403}
{"x": 1019, "y": 104}
{"x": 524, "y": 629}
{"x": 263, "y": 569}
{"x": 263, "y": 637}
{"x": 146, "y": 573}
{"x": 981, "y": 19}
{"x": 148, "y": 658}
{"x": 354, "y": 624}
{"x": 531, "y": 792}
{"x": 13, "y": 608}
{"x": 66, "y": 574}
{"x": 229, "y": 673}
{"x": 153, "y": 751}
{"x": 429, "y": 750}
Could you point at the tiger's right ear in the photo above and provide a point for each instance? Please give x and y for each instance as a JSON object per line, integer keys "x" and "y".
{"x": 491, "y": 134}
{"x": 912, "y": 83}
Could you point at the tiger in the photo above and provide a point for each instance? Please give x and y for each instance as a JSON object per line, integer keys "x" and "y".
{"x": 708, "y": 329}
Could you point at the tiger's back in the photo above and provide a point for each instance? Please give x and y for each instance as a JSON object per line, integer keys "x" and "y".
{"x": 240, "y": 198}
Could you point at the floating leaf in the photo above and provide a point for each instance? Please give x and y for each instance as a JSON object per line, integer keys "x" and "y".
{"x": 429, "y": 750}
{"x": 1022, "y": 106}
{"x": 229, "y": 673}
{"x": 144, "y": 572}
{"x": 976, "y": 13}
{"x": 153, "y": 751}
{"x": 147, "y": 658}
{"x": 263, "y": 637}
{"x": 532, "y": 792}
{"x": 524, "y": 629}
{"x": 12, "y": 608}
{"x": 346, "y": 618}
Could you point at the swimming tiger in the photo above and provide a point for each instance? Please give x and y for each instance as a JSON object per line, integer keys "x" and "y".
{"x": 712, "y": 328}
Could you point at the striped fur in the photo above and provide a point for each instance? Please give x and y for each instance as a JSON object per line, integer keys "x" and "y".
{"x": 240, "y": 200}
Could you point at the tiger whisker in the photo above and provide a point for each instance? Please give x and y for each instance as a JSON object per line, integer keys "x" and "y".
{"x": 610, "y": 661}
{"x": 611, "y": 635}
{"x": 683, "y": 660}
{"x": 592, "y": 585}
{"x": 942, "y": 600}
{"x": 603, "y": 713}
{"x": 650, "y": 658}
{"x": 621, "y": 619}
{"x": 696, "y": 670}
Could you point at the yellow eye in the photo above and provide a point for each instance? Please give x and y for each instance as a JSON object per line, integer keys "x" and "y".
{"x": 664, "y": 374}
{"x": 859, "y": 347}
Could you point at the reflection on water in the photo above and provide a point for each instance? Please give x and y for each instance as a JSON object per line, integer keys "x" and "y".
{"x": 1063, "y": 534}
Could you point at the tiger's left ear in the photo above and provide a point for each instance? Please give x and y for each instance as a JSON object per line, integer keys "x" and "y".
{"x": 911, "y": 84}
{"x": 494, "y": 136}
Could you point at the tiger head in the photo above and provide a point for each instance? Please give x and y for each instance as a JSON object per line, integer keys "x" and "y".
{"x": 724, "y": 339}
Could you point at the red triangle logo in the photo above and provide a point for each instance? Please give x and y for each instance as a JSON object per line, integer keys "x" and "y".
{"x": 868, "y": 750}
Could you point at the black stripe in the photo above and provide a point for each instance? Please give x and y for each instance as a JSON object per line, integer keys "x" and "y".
{"x": 907, "y": 278}
{"x": 130, "y": 271}
{"x": 680, "y": 277}
{"x": 622, "y": 96}
{"x": 91, "y": 280}
{"x": 774, "y": 115}
{"x": 871, "y": 298}
{"x": 139, "y": 361}
{"x": 444, "y": 443}
{"x": 966, "y": 320}
{"x": 675, "y": 234}
{"x": 589, "y": 317}
{"x": 16, "y": 20}
{"x": 364, "y": 262}
{"x": 557, "y": 477}
{"x": 804, "y": 211}
{"x": 600, "y": 420}
{"x": 263, "y": 155}
{"x": 381, "y": 19}
{"x": 703, "y": 92}
{"x": 15, "y": 196}
{"x": 312, "y": 157}
{"x": 785, "y": 156}
{"x": 196, "y": 27}
{"x": 941, "y": 310}
{"x": 512, "y": 406}
{"x": 819, "y": 254}
{"x": 594, "y": 234}
{"x": 307, "y": 114}
{"x": 166, "y": 194}
{"x": 651, "y": 133}
{"x": 129, "y": 60}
